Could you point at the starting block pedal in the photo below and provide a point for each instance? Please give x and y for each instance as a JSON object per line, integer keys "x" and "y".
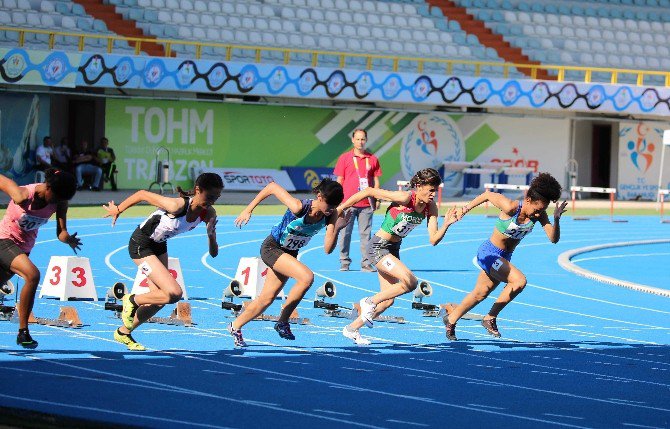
{"x": 6, "y": 311}
{"x": 181, "y": 316}
{"x": 294, "y": 318}
{"x": 67, "y": 318}
{"x": 233, "y": 290}
{"x": 447, "y": 308}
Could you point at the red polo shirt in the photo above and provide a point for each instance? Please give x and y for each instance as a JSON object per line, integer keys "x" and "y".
{"x": 368, "y": 168}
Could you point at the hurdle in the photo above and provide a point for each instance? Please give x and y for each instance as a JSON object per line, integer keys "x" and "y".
{"x": 611, "y": 191}
{"x": 404, "y": 184}
{"x": 662, "y": 193}
{"x": 502, "y": 187}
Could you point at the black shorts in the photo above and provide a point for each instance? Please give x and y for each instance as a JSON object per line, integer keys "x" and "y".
{"x": 140, "y": 246}
{"x": 8, "y": 251}
{"x": 378, "y": 248}
{"x": 271, "y": 251}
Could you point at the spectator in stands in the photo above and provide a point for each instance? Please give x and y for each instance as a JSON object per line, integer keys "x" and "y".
{"x": 107, "y": 157}
{"x": 43, "y": 154}
{"x": 86, "y": 163}
{"x": 356, "y": 170}
{"x": 62, "y": 156}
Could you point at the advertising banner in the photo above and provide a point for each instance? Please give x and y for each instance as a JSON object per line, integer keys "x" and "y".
{"x": 250, "y": 179}
{"x": 206, "y": 135}
{"x": 306, "y": 178}
{"x": 640, "y": 145}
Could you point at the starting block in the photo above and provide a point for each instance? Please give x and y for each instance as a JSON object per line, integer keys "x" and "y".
{"x": 232, "y": 291}
{"x": 248, "y": 283}
{"x": 6, "y": 311}
{"x": 67, "y": 318}
{"x": 181, "y": 316}
{"x": 328, "y": 290}
{"x": 69, "y": 277}
{"x": 424, "y": 289}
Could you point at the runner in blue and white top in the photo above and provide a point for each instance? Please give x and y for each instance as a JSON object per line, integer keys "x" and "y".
{"x": 148, "y": 246}
{"x": 302, "y": 221}
{"x": 517, "y": 219}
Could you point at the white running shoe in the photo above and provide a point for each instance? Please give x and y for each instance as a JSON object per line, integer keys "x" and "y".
{"x": 367, "y": 312}
{"x": 356, "y": 336}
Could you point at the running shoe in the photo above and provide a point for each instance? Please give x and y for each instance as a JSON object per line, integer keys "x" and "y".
{"x": 450, "y": 327}
{"x": 367, "y": 311}
{"x": 284, "y": 330}
{"x": 356, "y": 336}
{"x": 491, "y": 327}
{"x": 128, "y": 341}
{"x": 24, "y": 339}
{"x": 128, "y": 312}
{"x": 237, "y": 336}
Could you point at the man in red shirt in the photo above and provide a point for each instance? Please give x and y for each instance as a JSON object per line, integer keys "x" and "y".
{"x": 358, "y": 169}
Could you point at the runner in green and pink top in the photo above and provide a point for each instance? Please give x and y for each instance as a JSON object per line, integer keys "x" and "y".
{"x": 406, "y": 212}
{"x": 29, "y": 208}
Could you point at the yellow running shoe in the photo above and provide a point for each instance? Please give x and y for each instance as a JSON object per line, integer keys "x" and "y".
{"x": 129, "y": 341}
{"x": 128, "y": 312}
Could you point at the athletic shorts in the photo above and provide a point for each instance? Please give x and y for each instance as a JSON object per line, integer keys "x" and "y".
{"x": 488, "y": 256}
{"x": 8, "y": 251}
{"x": 271, "y": 251}
{"x": 378, "y": 248}
{"x": 140, "y": 246}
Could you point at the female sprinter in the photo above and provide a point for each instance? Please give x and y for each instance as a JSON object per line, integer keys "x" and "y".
{"x": 517, "y": 219}
{"x": 407, "y": 210}
{"x": 302, "y": 220}
{"x": 148, "y": 247}
{"x": 30, "y": 207}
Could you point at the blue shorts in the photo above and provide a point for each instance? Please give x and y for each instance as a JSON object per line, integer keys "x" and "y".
{"x": 488, "y": 256}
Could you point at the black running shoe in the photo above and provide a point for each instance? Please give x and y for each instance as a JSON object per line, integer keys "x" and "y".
{"x": 25, "y": 340}
{"x": 284, "y": 330}
{"x": 451, "y": 329}
{"x": 491, "y": 327}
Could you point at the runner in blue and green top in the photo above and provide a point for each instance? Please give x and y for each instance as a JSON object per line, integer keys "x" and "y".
{"x": 406, "y": 212}
{"x": 516, "y": 220}
{"x": 302, "y": 221}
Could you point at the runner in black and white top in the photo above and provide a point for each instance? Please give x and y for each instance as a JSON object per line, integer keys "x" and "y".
{"x": 148, "y": 246}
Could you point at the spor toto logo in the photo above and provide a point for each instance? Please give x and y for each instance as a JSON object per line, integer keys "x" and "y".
{"x": 237, "y": 177}
{"x": 431, "y": 141}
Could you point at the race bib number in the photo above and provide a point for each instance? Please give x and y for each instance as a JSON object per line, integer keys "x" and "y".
{"x": 28, "y": 223}
{"x": 295, "y": 242}
{"x": 362, "y": 183}
{"x": 403, "y": 228}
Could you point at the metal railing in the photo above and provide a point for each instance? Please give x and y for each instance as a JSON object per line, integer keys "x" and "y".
{"x": 558, "y": 72}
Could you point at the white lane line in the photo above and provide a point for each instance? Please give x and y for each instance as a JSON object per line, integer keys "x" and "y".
{"x": 403, "y": 422}
{"x": 563, "y": 416}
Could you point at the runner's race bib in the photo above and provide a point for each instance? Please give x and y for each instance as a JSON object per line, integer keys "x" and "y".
{"x": 28, "y": 223}
{"x": 295, "y": 242}
{"x": 403, "y": 228}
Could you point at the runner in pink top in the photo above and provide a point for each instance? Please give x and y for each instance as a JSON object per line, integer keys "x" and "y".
{"x": 30, "y": 207}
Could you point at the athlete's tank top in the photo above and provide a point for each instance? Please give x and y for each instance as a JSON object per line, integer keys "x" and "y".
{"x": 509, "y": 227}
{"x": 21, "y": 221}
{"x": 292, "y": 232}
{"x": 161, "y": 225}
{"x": 401, "y": 220}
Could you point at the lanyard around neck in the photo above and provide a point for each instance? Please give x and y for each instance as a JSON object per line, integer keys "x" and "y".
{"x": 367, "y": 165}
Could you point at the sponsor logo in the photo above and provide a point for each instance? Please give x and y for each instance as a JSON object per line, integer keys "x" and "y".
{"x": 237, "y": 177}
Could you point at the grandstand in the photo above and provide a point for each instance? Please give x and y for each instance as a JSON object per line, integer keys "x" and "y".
{"x": 628, "y": 35}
